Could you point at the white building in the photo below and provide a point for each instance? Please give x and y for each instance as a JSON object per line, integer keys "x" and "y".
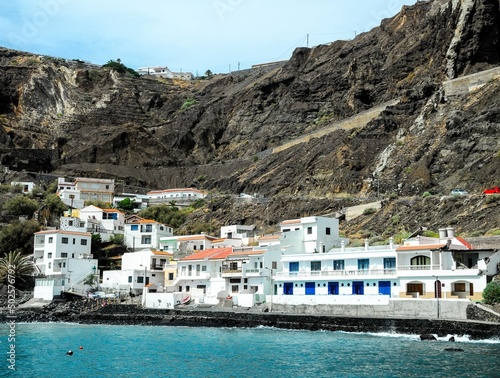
{"x": 244, "y": 234}
{"x": 165, "y": 72}
{"x": 64, "y": 258}
{"x": 25, "y": 186}
{"x": 310, "y": 234}
{"x": 138, "y": 270}
{"x": 93, "y": 219}
{"x": 144, "y": 233}
{"x": 422, "y": 267}
{"x": 179, "y": 196}
{"x": 92, "y": 189}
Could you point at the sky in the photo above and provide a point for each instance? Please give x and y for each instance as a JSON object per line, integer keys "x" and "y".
{"x": 193, "y": 36}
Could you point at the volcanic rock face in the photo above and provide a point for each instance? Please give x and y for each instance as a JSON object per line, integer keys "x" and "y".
{"x": 220, "y": 133}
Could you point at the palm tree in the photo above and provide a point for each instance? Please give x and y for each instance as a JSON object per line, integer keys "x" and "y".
{"x": 14, "y": 266}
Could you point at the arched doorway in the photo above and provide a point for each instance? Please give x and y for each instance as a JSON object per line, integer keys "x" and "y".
{"x": 437, "y": 289}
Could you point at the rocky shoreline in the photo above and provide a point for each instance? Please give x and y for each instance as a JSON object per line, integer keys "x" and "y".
{"x": 122, "y": 314}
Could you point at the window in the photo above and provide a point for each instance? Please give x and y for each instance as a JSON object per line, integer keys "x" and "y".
{"x": 70, "y": 223}
{"x": 146, "y": 240}
{"x": 338, "y": 264}
{"x": 309, "y": 230}
{"x": 74, "y": 241}
{"x": 203, "y": 268}
{"x": 315, "y": 266}
{"x": 140, "y": 279}
{"x": 235, "y": 280}
{"x": 389, "y": 262}
{"x": 64, "y": 254}
{"x": 460, "y": 286}
{"x": 420, "y": 260}
{"x": 134, "y": 227}
{"x": 51, "y": 239}
{"x": 274, "y": 265}
{"x": 293, "y": 266}
{"x": 149, "y": 228}
{"x": 328, "y": 231}
{"x": 83, "y": 242}
{"x": 363, "y": 264}
{"x": 50, "y": 265}
{"x": 64, "y": 240}
{"x": 49, "y": 255}
{"x": 130, "y": 279}
{"x": 170, "y": 276}
{"x": 234, "y": 288}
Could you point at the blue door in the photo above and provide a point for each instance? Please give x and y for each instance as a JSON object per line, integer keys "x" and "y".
{"x": 384, "y": 287}
{"x": 310, "y": 288}
{"x": 333, "y": 288}
{"x": 358, "y": 288}
{"x": 288, "y": 288}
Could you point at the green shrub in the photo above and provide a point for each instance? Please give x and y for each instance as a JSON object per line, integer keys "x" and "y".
{"x": 491, "y": 293}
{"x": 426, "y": 194}
{"x": 477, "y": 233}
{"x": 493, "y": 232}
{"x": 393, "y": 196}
{"x": 395, "y": 220}
{"x": 369, "y": 211}
{"x": 188, "y": 103}
{"x": 493, "y": 198}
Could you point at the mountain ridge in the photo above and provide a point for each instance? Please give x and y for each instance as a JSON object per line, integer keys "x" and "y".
{"x": 215, "y": 134}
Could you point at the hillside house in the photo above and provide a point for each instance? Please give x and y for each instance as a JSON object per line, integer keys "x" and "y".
{"x": 105, "y": 222}
{"x": 64, "y": 258}
{"x": 140, "y": 269}
{"x": 180, "y": 196}
{"x": 144, "y": 233}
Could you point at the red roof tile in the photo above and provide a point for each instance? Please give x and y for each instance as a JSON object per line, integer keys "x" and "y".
{"x": 210, "y": 254}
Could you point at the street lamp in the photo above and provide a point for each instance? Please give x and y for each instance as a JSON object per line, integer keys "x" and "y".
{"x": 272, "y": 289}
{"x": 437, "y": 290}
{"x": 145, "y": 289}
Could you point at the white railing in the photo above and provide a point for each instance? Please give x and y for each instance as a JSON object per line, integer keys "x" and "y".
{"x": 419, "y": 267}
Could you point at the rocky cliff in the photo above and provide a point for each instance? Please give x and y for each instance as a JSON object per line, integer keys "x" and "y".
{"x": 291, "y": 131}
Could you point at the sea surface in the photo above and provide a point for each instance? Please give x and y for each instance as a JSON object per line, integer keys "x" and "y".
{"x": 149, "y": 351}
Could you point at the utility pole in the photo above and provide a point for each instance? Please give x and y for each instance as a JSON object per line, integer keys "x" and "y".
{"x": 307, "y": 40}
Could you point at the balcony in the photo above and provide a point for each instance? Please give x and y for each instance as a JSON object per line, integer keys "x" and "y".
{"x": 194, "y": 276}
{"x": 338, "y": 273}
{"x": 257, "y": 272}
{"x": 418, "y": 267}
{"x": 228, "y": 272}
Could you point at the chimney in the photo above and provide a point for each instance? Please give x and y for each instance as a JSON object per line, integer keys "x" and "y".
{"x": 342, "y": 246}
{"x": 442, "y": 233}
{"x": 450, "y": 231}
{"x": 366, "y": 244}
{"x": 391, "y": 242}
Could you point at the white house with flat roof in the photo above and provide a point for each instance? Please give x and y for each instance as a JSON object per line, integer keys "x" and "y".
{"x": 140, "y": 269}
{"x": 143, "y": 233}
{"x": 310, "y": 234}
{"x": 93, "y": 189}
{"x": 64, "y": 258}
{"x": 93, "y": 219}
{"x": 180, "y": 196}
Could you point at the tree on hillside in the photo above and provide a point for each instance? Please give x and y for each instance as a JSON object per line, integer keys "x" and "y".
{"x": 118, "y": 66}
{"x": 55, "y": 205}
{"x": 126, "y": 205}
{"x": 21, "y": 206}
{"x": 18, "y": 236}
{"x": 14, "y": 266}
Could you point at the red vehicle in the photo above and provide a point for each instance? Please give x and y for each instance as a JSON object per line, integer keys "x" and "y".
{"x": 494, "y": 190}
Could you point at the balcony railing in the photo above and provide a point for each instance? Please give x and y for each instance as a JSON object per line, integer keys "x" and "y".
{"x": 256, "y": 272}
{"x": 338, "y": 273}
{"x": 194, "y": 275}
{"x": 227, "y": 272}
{"x": 419, "y": 267}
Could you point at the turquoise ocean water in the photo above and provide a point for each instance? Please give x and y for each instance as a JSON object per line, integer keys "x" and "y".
{"x": 145, "y": 351}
